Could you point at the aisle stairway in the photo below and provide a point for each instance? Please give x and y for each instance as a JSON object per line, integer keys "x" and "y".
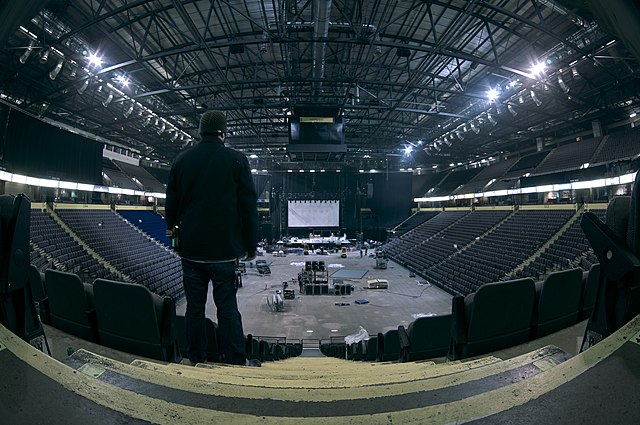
{"x": 523, "y": 389}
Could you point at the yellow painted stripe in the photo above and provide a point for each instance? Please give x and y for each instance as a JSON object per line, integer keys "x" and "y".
{"x": 163, "y": 412}
{"x": 313, "y": 389}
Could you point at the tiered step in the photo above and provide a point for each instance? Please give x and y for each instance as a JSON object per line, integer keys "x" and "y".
{"x": 324, "y": 390}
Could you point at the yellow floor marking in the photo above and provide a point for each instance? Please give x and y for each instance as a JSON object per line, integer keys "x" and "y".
{"x": 189, "y": 379}
{"x": 163, "y": 412}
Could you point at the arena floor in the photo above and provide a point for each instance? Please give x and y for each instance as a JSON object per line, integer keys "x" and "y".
{"x": 318, "y": 316}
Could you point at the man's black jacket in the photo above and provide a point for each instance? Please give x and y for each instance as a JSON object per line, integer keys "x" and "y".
{"x": 212, "y": 198}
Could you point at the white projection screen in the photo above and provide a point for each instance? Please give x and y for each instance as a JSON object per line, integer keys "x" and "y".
{"x": 313, "y": 213}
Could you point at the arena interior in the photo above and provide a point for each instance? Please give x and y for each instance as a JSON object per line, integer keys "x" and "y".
{"x": 447, "y": 205}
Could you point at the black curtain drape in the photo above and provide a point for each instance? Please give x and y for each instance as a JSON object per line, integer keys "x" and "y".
{"x": 35, "y": 148}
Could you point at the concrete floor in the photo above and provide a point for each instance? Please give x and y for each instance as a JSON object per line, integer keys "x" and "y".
{"x": 317, "y": 316}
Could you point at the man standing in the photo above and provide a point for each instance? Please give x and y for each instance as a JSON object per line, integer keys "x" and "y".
{"x": 212, "y": 202}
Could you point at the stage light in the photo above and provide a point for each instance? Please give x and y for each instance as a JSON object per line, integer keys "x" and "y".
{"x": 129, "y": 110}
{"x": 124, "y": 82}
{"x": 408, "y": 150}
{"x": 538, "y": 69}
{"x": 174, "y": 137}
{"x": 475, "y": 128}
{"x": 575, "y": 74}
{"x": 492, "y": 94}
{"x": 83, "y": 86}
{"x": 162, "y": 127}
{"x": 459, "y": 135}
{"x": 53, "y": 74}
{"x": 95, "y": 60}
{"x": 521, "y": 100}
{"x": 26, "y": 53}
{"x": 512, "y": 110}
{"x": 491, "y": 119}
{"x": 535, "y": 98}
{"x": 108, "y": 100}
{"x": 44, "y": 56}
{"x": 565, "y": 88}
{"x": 73, "y": 74}
{"x": 147, "y": 121}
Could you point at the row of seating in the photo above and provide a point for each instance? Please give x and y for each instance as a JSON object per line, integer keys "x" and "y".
{"x": 476, "y": 247}
{"x": 150, "y": 222}
{"x": 616, "y": 146}
{"x": 130, "y": 318}
{"x": 128, "y": 249}
{"x": 120, "y": 315}
{"x": 476, "y": 326}
{"x": 71, "y": 256}
{"x": 528, "y": 310}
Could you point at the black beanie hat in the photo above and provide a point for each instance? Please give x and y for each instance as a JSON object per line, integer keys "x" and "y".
{"x": 213, "y": 122}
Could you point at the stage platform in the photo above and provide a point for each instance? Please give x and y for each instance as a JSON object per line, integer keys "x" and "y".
{"x": 349, "y": 273}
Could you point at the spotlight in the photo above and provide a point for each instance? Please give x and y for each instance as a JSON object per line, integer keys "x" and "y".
{"x": 447, "y": 142}
{"x": 147, "y": 121}
{"x": 491, "y": 119}
{"x": 44, "y": 56}
{"x": 437, "y": 147}
{"x": 83, "y": 86}
{"x": 129, "y": 110}
{"x": 73, "y": 74}
{"x": 575, "y": 74}
{"x": 492, "y": 94}
{"x": 512, "y": 110}
{"x": 538, "y": 69}
{"x": 53, "y": 74}
{"x": 459, "y": 135}
{"x": 174, "y": 137}
{"x": 108, "y": 100}
{"x": 162, "y": 128}
{"x": 565, "y": 88}
{"x": 26, "y": 53}
{"x": 408, "y": 150}
{"x": 475, "y": 128}
{"x": 521, "y": 100}
{"x": 95, "y": 60}
{"x": 535, "y": 98}
{"x": 499, "y": 109}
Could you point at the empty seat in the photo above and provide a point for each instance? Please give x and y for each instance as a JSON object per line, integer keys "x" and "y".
{"x": 36, "y": 281}
{"x": 557, "y": 302}
{"x": 390, "y": 346}
{"x": 428, "y": 337}
{"x": 71, "y": 304}
{"x": 132, "y": 319}
{"x": 496, "y": 316}
{"x": 372, "y": 351}
{"x": 589, "y": 292}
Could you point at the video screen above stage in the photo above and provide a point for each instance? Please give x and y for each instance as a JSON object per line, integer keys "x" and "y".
{"x": 313, "y": 213}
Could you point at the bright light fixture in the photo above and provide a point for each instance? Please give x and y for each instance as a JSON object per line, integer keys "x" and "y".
{"x": 538, "y": 68}
{"x": 408, "y": 150}
{"x": 492, "y": 94}
{"x": 95, "y": 60}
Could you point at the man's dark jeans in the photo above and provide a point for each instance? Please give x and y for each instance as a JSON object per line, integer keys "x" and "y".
{"x": 196, "y": 277}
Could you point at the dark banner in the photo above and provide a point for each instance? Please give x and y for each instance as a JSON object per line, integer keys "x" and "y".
{"x": 38, "y": 149}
